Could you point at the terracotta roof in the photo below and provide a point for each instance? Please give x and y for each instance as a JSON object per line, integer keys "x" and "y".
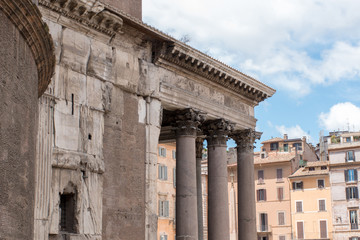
{"x": 275, "y": 157}
{"x": 277, "y": 139}
{"x": 304, "y": 171}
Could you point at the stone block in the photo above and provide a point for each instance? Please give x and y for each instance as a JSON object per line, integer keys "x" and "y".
{"x": 126, "y": 70}
{"x": 95, "y": 132}
{"x": 94, "y": 93}
{"x": 66, "y": 124}
{"x": 55, "y": 30}
{"x": 75, "y": 50}
{"x": 100, "y": 61}
{"x": 142, "y": 110}
{"x": 155, "y": 112}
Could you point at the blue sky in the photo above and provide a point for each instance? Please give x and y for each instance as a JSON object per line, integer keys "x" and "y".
{"x": 308, "y": 50}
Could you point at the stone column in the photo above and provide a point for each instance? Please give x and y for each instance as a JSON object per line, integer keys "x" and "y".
{"x": 199, "y": 150}
{"x": 218, "y": 211}
{"x": 187, "y": 122}
{"x": 246, "y": 187}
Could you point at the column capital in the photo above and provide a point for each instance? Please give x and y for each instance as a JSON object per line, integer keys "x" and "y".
{"x": 217, "y": 131}
{"x": 246, "y": 138}
{"x": 186, "y": 121}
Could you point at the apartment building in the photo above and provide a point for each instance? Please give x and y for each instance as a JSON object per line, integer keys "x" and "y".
{"x": 166, "y": 191}
{"x": 278, "y": 159}
{"x": 310, "y": 196}
{"x": 344, "y": 157}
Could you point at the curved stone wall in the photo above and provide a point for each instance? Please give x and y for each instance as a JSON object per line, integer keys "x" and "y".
{"x": 26, "y": 66}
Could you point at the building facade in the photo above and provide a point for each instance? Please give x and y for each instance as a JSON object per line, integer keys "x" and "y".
{"x": 310, "y": 195}
{"x": 278, "y": 159}
{"x": 344, "y": 156}
{"x": 166, "y": 187}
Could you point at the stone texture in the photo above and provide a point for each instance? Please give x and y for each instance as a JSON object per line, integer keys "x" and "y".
{"x": 18, "y": 128}
{"x": 132, "y": 7}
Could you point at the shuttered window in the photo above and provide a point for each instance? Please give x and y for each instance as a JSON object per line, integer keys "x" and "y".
{"x": 162, "y": 172}
{"x": 322, "y": 206}
{"x": 261, "y": 176}
{"x": 351, "y": 175}
{"x": 261, "y": 194}
{"x": 174, "y": 154}
{"x": 297, "y": 185}
{"x": 299, "y": 207}
{"x": 280, "y": 193}
{"x": 352, "y": 193}
{"x": 300, "y": 230}
{"x": 162, "y": 151}
{"x": 350, "y": 157}
{"x": 323, "y": 229}
{"x": 163, "y": 237}
{"x": 163, "y": 208}
{"x": 321, "y": 183}
{"x": 281, "y": 218}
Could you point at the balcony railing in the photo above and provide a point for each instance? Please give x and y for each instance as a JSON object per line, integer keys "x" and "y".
{"x": 354, "y": 226}
{"x": 264, "y": 228}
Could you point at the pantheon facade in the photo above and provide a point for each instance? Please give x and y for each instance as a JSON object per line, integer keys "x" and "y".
{"x": 119, "y": 88}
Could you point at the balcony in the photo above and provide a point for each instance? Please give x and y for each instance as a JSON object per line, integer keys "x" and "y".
{"x": 264, "y": 228}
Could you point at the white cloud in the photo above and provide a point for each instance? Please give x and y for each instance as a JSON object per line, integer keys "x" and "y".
{"x": 293, "y": 132}
{"x": 342, "y": 116}
{"x": 291, "y": 45}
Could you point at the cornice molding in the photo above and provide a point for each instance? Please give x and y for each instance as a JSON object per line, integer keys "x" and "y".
{"x": 215, "y": 71}
{"x": 27, "y": 18}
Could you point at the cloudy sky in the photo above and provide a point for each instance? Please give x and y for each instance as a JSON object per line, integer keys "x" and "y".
{"x": 308, "y": 50}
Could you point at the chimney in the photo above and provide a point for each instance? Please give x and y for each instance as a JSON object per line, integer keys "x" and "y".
{"x": 285, "y": 136}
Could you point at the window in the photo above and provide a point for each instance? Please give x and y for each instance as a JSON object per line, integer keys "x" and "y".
{"x": 311, "y": 169}
{"x": 321, "y": 183}
{"x": 173, "y": 154}
{"x": 162, "y": 172}
{"x": 347, "y": 139}
{"x": 299, "y": 206}
{"x": 263, "y": 155}
{"x": 67, "y": 212}
{"x": 353, "y": 219}
{"x": 350, "y": 157}
{"x": 323, "y": 167}
{"x": 323, "y": 229}
{"x": 300, "y": 230}
{"x": 297, "y": 185}
{"x": 297, "y": 146}
{"x": 261, "y": 194}
{"x": 322, "y": 205}
{"x": 162, "y": 151}
{"x": 352, "y": 193}
{"x": 163, "y": 237}
{"x": 274, "y": 146}
{"x": 356, "y": 138}
{"x": 263, "y": 222}
{"x": 351, "y": 175}
{"x": 354, "y": 238}
{"x": 282, "y": 238}
{"x": 163, "y": 208}
{"x": 279, "y": 174}
{"x": 280, "y": 193}
{"x": 281, "y": 218}
{"x": 286, "y": 147}
{"x": 261, "y": 176}
{"x": 174, "y": 177}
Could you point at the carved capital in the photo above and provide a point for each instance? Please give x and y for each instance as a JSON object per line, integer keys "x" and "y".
{"x": 245, "y": 139}
{"x": 186, "y": 121}
{"x": 217, "y": 131}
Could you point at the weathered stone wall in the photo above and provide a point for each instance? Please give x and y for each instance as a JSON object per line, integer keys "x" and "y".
{"x": 18, "y": 125}
{"x": 132, "y": 7}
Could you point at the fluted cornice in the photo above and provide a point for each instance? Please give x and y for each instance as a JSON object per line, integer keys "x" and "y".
{"x": 27, "y": 18}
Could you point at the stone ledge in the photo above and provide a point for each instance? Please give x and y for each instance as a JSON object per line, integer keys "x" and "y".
{"x": 27, "y": 18}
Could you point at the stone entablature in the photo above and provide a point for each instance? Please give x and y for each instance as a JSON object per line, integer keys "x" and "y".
{"x": 27, "y": 18}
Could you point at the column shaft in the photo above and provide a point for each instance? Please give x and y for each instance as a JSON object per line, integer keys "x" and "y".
{"x": 199, "y": 148}
{"x": 186, "y": 194}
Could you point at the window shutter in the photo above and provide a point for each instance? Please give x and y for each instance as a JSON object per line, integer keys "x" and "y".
{"x": 164, "y": 153}
{"x": 174, "y": 177}
{"x": 257, "y": 195}
{"x": 159, "y": 172}
{"x": 293, "y": 185}
{"x": 165, "y": 173}
{"x": 356, "y": 192}
{"x": 160, "y": 208}
{"x": 159, "y": 151}
{"x": 280, "y": 193}
{"x": 279, "y": 173}
{"x": 322, "y": 205}
{"x": 346, "y": 172}
{"x": 347, "y": 193}
{"x": 323, "y": 230}
{"x": 166, "y": 209}
{"x": 300, "y": 230}
{"x": 355, "y": 174}
{"x": 264, "y": 194}
{"x": 301, "y": 185}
